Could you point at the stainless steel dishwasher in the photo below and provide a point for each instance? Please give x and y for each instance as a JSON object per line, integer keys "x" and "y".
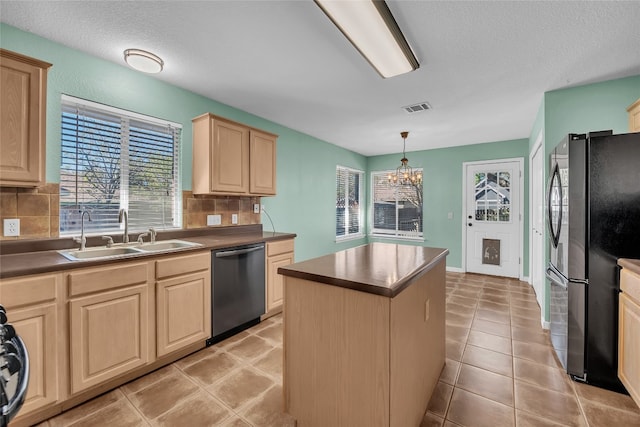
{"x": 237, "y": 285}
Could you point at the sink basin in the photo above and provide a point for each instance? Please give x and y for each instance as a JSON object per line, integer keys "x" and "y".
{"x": 98, "y": 253}
{"x": 166, "y": 245}
{"x": 123, "y": 251}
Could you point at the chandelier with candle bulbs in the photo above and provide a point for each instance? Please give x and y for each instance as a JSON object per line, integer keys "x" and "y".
{"x": 404, "y": 174}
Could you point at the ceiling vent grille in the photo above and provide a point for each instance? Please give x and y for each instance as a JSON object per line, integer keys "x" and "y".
{"x": 416, "y": 108}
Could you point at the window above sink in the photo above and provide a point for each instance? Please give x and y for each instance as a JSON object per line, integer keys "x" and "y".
{"x": 114, "y": 159}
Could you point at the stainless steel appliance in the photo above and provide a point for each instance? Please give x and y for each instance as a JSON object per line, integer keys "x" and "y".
{"x": 14, "y": 370}
{"x": 594, "y": 219}
{"x": 238, "y": 289}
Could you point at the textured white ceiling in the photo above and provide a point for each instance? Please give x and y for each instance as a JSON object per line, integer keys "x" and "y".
{"x": 484, "y": 64}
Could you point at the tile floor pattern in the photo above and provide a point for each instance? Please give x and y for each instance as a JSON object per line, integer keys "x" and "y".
{"x": 500, "y": 371}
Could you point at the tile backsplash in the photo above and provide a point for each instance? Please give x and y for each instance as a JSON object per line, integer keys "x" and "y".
{"x": 39, "y": 210}
{"x": 195, "y": 209}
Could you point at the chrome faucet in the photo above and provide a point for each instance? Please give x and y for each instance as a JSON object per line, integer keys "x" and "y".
{"x": 123, "y": 216}
{"x": 82, "y": 239}
{"x": 153, "y": 233}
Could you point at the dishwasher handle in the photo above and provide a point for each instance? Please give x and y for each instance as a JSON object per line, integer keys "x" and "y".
{"x": 238, "y": 252}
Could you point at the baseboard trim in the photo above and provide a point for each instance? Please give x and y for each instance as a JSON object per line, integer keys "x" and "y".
{"x": 455, "y": 269}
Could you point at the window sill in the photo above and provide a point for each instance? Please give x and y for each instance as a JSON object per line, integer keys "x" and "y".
{"x": 350, "y": 237}
{"x": 392, "y": 237}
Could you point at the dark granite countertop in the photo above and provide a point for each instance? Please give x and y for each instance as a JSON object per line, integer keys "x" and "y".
{"x": 21, "y": 258}
{"x": 631, "y": 264}
{"x": 378, "y": 268}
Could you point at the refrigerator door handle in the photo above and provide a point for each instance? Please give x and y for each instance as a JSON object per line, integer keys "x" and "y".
{"x": 554, "y": 275}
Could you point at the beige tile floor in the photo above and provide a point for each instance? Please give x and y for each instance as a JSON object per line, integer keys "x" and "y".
{"x": 500, "y": 371}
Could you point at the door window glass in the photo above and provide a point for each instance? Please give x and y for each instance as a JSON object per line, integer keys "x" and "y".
{"x": 493, "y": 196}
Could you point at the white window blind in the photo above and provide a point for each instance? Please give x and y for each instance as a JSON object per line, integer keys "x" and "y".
{"x": 397, "y": 210}
{"x": 114, "y": 159}
{"x": 348, "y": 202}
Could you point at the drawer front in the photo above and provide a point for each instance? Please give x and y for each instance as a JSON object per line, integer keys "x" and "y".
{"x": 28, "y": 290}
{"x": 104, "y": 278}
{"x": 629, "y": 284}
{"x": 185, "y": 264}
{"x": 279, "y": 247}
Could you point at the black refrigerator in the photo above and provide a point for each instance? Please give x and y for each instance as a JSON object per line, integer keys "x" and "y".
{"x": 593, "y": 216}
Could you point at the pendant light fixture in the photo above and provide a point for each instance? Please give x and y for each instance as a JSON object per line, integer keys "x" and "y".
{"x": 404, "y": 174}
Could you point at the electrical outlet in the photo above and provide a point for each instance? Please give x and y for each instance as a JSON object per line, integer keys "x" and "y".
{"x": 262, "y": 206}
{"x": 234, "y": 218}
{"x": 11, "y": 227}
{"x": 214, "y": 220}
{"x": 256, "y": 208}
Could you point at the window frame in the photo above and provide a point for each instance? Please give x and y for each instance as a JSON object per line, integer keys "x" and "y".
{"x": 138, "y": 122}
{"x": 392, "y": 234}
{"x": 360, "y": 233}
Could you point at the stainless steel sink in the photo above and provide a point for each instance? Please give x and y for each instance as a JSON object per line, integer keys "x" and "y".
{"x": 166, "y": 245}
{"x": 124, "y": 251}
{"x": 101, "y": 252}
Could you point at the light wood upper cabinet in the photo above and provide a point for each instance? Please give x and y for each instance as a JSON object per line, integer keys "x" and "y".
{"x": 108, "y": 322}
{"x": 231, "y": 158}
{"x": 23, "y": 106}
{"x": 634, "y": 116}
{"x": 629, "y": 333}
{"x": 31, "y": 304}
{"x": 183, "y": 296}
{"x": 279, "y": 254}
{"x": 263, "y": 163}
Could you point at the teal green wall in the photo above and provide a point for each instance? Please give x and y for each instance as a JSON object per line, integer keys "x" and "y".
{"x": 443, "y": 189}
{"x": 306, "y": 166}
{"x": 593, "y": 107}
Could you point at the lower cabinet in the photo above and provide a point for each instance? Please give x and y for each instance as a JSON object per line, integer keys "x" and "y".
{"x": 108, "y": 323}
{"x": 279, "y": 254}
{"x": 31, "y": 304}
{"x": 183, "y": 302}
{"x": 629, "y": 333}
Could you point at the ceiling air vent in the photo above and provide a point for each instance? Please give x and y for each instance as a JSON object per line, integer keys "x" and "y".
{"x": 416, "y": 108}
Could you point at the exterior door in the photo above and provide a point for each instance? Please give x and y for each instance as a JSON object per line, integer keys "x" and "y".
{"x": 493, "y": 219}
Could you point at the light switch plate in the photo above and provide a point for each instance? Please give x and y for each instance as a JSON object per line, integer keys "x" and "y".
{"x": 234, "y": 218}
{"x": 12, "y": 227}
{"x": 214, "y": 220}
{"x": 256, "y": 208}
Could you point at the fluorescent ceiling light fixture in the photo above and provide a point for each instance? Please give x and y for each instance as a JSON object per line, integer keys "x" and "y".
{"x": 371, "y": 28}
{"x": 143, "y": 61}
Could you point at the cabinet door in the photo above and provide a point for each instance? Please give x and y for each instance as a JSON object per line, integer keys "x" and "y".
{"x": 229, "y": 157}
{"x": 629, "y": 346}
{"x": 262, "y": 159}
{"x": 109, "y": 332}
{"x": 634, "y": 116}
{"x": 32, "y": 310}
{"x": 183, "y": 311}
{"x": 23, "y": 90}
{"x": 38, "y": 328}
{"x": 275, "y": 282}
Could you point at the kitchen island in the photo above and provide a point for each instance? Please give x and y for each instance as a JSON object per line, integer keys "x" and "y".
{"x": 364, "y": 335}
